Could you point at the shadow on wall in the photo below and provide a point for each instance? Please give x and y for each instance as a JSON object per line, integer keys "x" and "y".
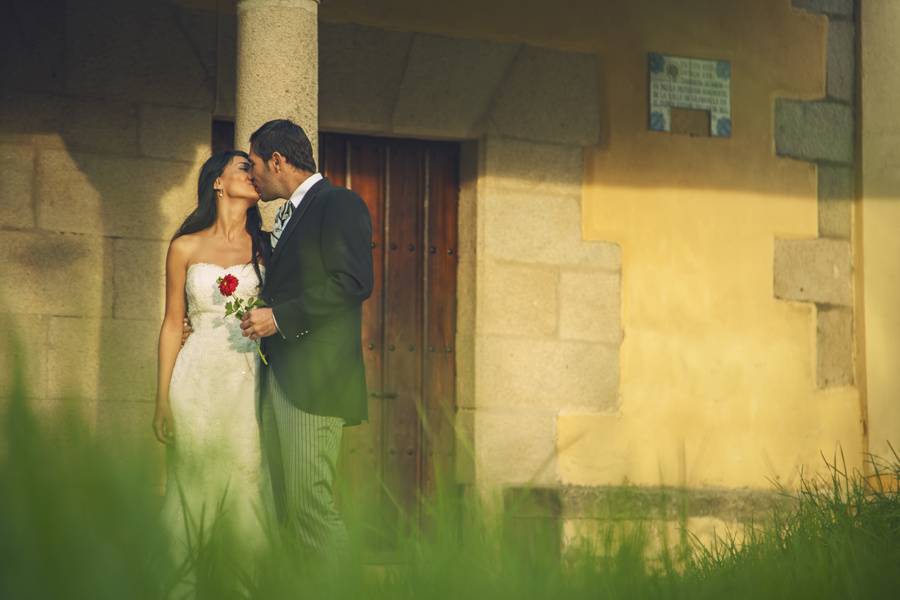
{"x": 104, "y": 120}
{"x": 775, "y": 49}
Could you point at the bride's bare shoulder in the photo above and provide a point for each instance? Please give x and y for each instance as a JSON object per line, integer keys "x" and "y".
{"x": 182, "y": 247}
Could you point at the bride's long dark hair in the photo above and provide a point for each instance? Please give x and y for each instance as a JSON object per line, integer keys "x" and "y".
{"x": 206, "y": 212}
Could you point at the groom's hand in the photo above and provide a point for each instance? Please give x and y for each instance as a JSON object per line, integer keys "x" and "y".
{"x": 258, "y": 323}
{"x": 186, "y": 330}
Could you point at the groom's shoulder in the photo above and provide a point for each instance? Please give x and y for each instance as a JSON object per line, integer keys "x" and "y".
{"x": 340, "y": 197}
{"x": 337, "y": 190}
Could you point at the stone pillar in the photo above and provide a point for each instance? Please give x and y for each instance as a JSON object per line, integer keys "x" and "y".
{"x": 277, "y": 66}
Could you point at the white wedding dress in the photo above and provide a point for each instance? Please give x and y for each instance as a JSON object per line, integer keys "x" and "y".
{"x": 215, "y": 465}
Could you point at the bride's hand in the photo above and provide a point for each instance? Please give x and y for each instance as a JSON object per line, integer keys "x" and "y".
{"x": 164, "y": 424}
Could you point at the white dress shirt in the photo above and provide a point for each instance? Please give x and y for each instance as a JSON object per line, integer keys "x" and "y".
{"x": 300, "y": 193}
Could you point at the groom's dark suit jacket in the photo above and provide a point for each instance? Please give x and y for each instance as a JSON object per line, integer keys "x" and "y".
{"x": 316, "y": 280}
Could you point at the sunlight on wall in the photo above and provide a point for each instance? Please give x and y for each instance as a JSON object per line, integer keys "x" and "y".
{"x": 881, "y": 223}
{"x": 718, "y": 377}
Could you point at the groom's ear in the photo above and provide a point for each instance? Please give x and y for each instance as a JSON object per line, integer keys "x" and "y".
{"x": 278, "y": 161}
{"x": 275, "y": 161}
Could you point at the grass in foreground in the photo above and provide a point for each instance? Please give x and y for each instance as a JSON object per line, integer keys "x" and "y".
{"x": 78, "y": 520}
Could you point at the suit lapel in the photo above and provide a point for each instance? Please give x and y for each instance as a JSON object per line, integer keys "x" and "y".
{"x": 297, "y": 215}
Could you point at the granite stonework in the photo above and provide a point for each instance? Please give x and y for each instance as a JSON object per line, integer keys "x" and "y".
{"x": 823, "y": 132}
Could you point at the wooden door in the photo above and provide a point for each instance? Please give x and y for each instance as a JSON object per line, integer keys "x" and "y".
{"x": 393, "y": 463}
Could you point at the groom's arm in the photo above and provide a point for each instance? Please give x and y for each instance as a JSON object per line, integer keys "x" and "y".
{"x": 347, "y": 256}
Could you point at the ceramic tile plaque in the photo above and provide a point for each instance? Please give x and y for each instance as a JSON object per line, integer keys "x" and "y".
{"x": 691, "y": 83}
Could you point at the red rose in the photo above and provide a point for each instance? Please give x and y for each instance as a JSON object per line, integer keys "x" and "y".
{"x": 227, "y": 284}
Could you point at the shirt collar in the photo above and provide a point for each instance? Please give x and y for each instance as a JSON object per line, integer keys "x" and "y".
{"x": 304, "y": 187}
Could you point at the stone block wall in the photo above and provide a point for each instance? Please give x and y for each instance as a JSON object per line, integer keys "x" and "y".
{"x": 563, "y": 519}
{"x": 822, "y": 131}
{"x": 430, "y": 86}
{"x": 727, "y": 396}
{"x": 105, "y": 118}
{"x": 548, "y": 325}
{"x": 106, "y": 146}
{"x": 538, "y": 323}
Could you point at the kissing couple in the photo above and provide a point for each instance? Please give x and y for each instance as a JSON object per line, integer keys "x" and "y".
{"x": 252, "y": 409}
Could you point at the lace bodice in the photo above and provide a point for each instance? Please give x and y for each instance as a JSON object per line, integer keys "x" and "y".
{"x": 206, "y": 305}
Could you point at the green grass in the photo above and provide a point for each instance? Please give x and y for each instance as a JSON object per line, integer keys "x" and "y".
{"x": 78, "y": 519}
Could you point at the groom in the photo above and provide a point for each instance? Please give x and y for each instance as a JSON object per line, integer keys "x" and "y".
{"x": 317, "y": 277}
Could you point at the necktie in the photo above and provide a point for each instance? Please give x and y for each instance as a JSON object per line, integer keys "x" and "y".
{"x": 281, "y": 218}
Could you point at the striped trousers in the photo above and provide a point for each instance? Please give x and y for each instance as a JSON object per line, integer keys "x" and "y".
{"x": 301, "y": 451}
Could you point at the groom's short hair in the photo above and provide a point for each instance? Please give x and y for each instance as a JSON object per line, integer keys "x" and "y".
{"x": 288, "y": 139}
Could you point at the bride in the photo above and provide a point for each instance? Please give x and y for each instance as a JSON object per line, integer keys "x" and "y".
{"x": 206, "y": 399}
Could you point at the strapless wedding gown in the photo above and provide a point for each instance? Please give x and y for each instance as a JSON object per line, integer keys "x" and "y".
{"x": 215, "y": 465}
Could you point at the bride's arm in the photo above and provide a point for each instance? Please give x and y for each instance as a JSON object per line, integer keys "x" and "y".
{"x": 170, "y": 337}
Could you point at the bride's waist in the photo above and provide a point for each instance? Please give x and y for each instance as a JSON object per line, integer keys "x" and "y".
{"x": 217, "y": 325}
{"x": 213, "y": 319}
{"x": 217, "y": 341}
{"x": 210, "y": 348}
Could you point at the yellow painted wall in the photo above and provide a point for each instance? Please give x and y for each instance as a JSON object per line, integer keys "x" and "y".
{"x": 718, "y": 381}
{"x": 717, "y": 376}
{"x": 880, "y": 222}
